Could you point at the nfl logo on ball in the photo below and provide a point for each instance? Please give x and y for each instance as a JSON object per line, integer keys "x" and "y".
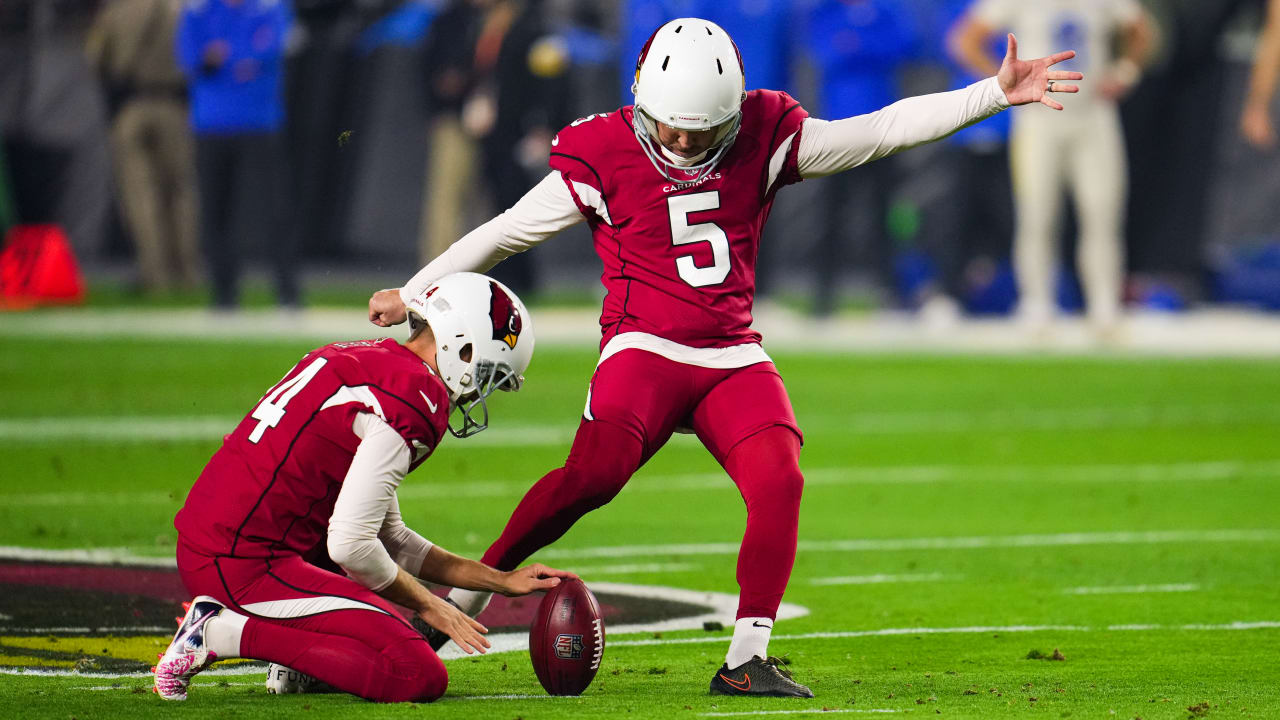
{"x": 568, "y": 647}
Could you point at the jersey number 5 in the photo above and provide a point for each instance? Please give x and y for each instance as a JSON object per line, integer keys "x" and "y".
{"x": 270, "y": 411}
{"x": 683, "y": 233}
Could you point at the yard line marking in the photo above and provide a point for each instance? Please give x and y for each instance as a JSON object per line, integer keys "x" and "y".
{"x": 1132, "y": 589}
{"x": 636, "y": 568}
{"x": 972, "y": 630}
{"x": 512, "y": 697}
{"x": 197, "y": 428}
{"x": 134, "y": 630}
{"x": 239, "y": 668}
{"x": 981, "y": 542}
{"x": 130, "y": 688}
{"x": 876, "y": 579}
{"x": 940, "y": 543}
{"x": 513, "y": 642}
{"x": 806, "y": 711}
{"x": 837, "y": 476}
{"x": 147, "y": 428}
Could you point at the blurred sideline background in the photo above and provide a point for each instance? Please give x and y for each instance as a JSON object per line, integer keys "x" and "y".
{"x": 406, "y": 123}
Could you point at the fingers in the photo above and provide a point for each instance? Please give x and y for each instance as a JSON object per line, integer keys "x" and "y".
{"x": 1056, "y": 58}
{"x": 1051, "y": 103}
{"x": 1066, "y": 88}
{"x": 1064, "y": 75}
{"x": 1011, "y": 52}
{"x": 544, "y": 571}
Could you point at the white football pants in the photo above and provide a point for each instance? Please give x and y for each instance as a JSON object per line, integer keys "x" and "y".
{"x": 1081, "y": 149}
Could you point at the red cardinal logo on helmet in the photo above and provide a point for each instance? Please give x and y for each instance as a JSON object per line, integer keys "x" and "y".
{"x": 506, "y": 319}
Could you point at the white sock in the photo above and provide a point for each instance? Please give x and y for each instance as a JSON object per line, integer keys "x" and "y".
{"x": 222, "y": 633}
{"x": 471, "y": 602}
{"x": 750, "y": 639}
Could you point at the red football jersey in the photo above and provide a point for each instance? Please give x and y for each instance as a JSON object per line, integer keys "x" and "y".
{"x": 271, "y": 487}
{"x": 679, "y": 258}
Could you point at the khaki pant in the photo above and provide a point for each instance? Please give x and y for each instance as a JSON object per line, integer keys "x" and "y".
{"x": 450, "y": 170}
{"x": 1081, "y": 149}
{"x": 155, "y": 168}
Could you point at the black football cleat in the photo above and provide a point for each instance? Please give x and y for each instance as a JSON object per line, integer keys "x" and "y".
{"x": 435, "y": 638}
{"x": 758, "y": 677}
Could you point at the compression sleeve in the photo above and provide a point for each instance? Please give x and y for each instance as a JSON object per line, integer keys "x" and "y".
{"x": 543, "y": 211}
{"x": 368, "y": 492}
{"x": 405, "y": 546}
{"x": 828, "y": 147}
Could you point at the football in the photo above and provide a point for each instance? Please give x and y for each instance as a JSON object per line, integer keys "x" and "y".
{"x": 566, "y": 640}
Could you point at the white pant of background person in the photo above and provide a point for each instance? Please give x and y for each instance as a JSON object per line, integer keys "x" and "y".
{"x": 1082, "y": 151}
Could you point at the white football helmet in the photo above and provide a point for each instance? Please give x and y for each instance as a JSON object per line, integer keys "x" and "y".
{"x": 688, "y": 76}
{"x": 484, "y": 341}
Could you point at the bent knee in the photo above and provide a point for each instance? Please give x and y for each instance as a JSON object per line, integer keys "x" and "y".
{"x": 416, "y": 674}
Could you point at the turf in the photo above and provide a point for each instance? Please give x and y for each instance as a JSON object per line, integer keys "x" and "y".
{"x": 1092, "y": 495}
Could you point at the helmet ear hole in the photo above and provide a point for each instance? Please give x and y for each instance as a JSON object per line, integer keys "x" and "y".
{"x": 465, "y": 353}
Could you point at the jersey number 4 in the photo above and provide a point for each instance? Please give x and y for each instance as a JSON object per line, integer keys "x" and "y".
{"x": 270, "y": 411}
{"x": 684, "y": 232}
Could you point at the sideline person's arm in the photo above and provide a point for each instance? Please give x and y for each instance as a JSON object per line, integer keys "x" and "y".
{"x": 1255, "y": 121}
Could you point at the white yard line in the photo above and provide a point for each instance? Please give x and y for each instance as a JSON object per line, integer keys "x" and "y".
{"x": 149, "y": 428}
{"x": 1149, "y": 537}
{"x": 1206, "y": 471}
{"x": 519, "y": 642}
{"x": 1132, "y": 589}
{"x": 972, "y": 630}
{"x": 806, "y": 711}
{"x": 877, "y": 579}
{"x": 588, "y": 572}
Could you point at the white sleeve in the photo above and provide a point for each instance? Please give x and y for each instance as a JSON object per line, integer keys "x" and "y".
{"x": 838, "y": 145}
{"x": 543, "y": 211}
{"x": 368, "y": 492}
{"x": 405, "y": 546}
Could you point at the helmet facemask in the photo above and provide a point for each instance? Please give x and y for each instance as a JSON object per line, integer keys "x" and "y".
{"x": 484, "y": 378}
{"x": 646, "y": 131}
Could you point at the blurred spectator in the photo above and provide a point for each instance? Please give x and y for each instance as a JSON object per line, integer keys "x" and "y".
{"x": 232, "y": 51}
{"x": 1255, "y": 122}
{"x": 450, "y": 57}
{"x": 857, "y": 47}
{"x": 1081, "y": 149}
{"x": 519, "y": 102}
{"x": 968, "y": 231}
{"x": 130, "y": 45}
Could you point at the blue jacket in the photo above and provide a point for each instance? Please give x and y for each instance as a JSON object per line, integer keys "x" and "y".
{"x": 994, "y": 131}
{"x": 858, "y": 46}
{"x": 244, "y": 92}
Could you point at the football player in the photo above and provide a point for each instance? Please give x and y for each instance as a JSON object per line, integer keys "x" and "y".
{"x": 676, "y": 189}
{"x": 313, "y": 470}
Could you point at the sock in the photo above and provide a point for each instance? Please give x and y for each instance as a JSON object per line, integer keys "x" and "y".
{"x": 471, "y": 602}
{"x": 222, "y": 633}
{"x": 750, "y": 639}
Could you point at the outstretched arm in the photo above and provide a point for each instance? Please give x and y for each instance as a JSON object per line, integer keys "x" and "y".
{"x": 543, "y": 211}
{"x": 831, "y": 147}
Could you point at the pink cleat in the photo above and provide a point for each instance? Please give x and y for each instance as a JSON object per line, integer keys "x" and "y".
{"x": 187, "y": 654}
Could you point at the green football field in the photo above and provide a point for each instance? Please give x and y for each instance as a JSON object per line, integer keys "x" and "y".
{"x": 963, "y": 519}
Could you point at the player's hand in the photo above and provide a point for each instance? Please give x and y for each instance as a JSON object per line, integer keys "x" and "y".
{"x": 461, "y": 628}
{"x": 386, "y": 308}
{"x": 532, "y": 578}
{"x": 1027, "y": 81}
{"x": 1256, "y": 127}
